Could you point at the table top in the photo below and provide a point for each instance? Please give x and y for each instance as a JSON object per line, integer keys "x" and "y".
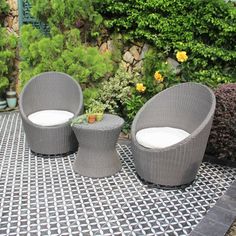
{"x": 108, "y": 122}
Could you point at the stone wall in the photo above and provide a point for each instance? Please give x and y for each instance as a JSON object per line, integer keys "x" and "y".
{"x": 11, "y": 21}
{"x": 12, "y": 25}
{"x": 132, "y": 55}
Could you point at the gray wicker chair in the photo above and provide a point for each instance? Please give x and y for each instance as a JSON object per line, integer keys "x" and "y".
{"x": 50, "y": 90}
{"x": 187, "y": 106}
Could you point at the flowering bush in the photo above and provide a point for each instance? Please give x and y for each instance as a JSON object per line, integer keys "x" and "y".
{"x": 158, "y": 74}
{"x": 158, "y": 77}
{"x": 114, "y": 92}
{"x": 181, "y": 56}
{"x": 140, "y": 88}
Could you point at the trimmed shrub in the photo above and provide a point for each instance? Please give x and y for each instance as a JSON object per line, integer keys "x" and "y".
{"x": 222, "y": 140}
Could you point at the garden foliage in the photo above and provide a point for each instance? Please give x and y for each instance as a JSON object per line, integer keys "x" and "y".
{"x": 115, "y": 93}
{"x": 156, "y": 75}
{"x": 7, "y": 50}
{"x": 4, "y": 8}
{"x": 68, "y": 14}
{"x": 198, "y": 34}
{"x": 61, "y": 52}
{"x": 205, "y": 29}
{"x": 222, "y": 140}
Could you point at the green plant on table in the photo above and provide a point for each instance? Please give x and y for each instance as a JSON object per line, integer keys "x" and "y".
{"x": 96, "y": 108}
{"x": 82, "y": 119}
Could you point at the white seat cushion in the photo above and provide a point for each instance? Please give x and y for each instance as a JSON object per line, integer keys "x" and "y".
{"x": 160, "y": 137}
{"x": 50, "y": 117}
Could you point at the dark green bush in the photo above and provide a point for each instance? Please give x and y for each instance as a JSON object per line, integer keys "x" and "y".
{"x": 205, "y": 29}
{"x": 222, "y": 140}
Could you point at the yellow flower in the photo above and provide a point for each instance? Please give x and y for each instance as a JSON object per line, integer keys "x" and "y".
{"x": 140, "y": 88}
{"x": 181, "y": 56}
{"x": 158, "y": 77}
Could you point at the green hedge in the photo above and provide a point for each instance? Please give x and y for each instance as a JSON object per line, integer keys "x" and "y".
{"x": 205, "y": 29}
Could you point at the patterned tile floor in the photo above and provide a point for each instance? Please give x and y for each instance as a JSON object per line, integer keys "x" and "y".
{"x": 43, "y": 196}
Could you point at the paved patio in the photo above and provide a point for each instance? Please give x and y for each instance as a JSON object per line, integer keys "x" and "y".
{"x": 43, "y": 196}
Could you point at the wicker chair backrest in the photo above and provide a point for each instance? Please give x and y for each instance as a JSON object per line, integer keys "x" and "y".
{"x": 184, "y": 106}
{"x": 51, "y": 91}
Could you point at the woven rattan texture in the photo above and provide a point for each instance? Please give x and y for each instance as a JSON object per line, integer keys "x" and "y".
{"x": 43, "y": 196}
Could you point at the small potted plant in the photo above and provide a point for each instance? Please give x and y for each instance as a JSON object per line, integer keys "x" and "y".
{"x": 99, "y": 109}
{"x": 95, "y": 112}
{"x": 91, "y": 118}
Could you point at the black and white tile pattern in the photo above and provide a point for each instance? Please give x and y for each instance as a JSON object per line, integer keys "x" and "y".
{"x": 43, "y": 196}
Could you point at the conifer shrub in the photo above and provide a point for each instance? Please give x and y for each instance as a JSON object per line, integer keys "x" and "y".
{"x": 222, "y": 140}
{"x": 61, "y": 52}
{"x": 66, "y": 15}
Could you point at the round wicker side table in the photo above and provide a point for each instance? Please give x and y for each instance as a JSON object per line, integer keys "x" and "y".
{"x": 97, "y": 156}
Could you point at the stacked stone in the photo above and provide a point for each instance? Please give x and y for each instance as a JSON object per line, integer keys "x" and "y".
{"x": 132, "y": 56}
{"x": 11, "y": 21}
{"x": 12, "y": 25}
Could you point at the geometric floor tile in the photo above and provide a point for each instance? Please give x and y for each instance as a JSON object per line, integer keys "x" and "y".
{"x": 43, "y": 196}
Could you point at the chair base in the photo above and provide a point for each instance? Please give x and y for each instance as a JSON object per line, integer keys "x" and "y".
{"x": 164, "y": 187}
{"x": 52, "y": 155}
